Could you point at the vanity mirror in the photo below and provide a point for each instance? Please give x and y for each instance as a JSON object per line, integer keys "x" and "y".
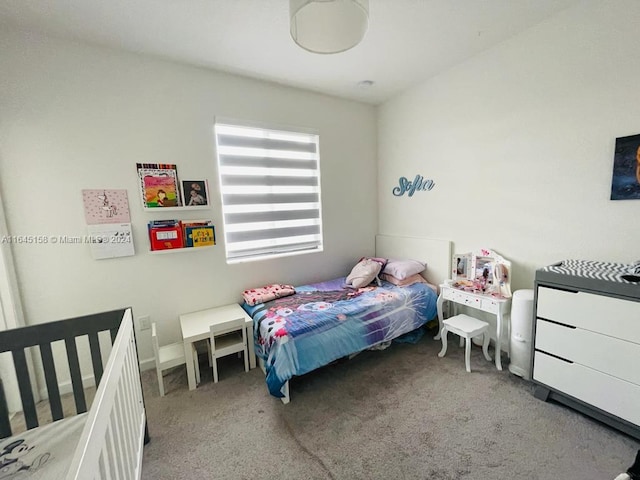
{"x": 482, "y": 271}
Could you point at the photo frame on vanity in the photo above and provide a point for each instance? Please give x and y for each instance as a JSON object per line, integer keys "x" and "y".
{"x": 461, "y": 267}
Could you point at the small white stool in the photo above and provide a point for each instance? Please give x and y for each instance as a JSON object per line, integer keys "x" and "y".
{"x": 467, "y": 327}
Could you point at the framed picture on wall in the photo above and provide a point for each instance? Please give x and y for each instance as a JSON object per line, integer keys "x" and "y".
{"x": 195, "y": 193}
{"x": 625, "y": 184}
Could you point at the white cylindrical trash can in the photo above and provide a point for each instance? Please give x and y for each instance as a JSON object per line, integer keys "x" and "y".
{"x": 521, "y": 324}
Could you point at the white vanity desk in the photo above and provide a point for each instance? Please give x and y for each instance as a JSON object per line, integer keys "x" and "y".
{"x": 488, "y": 276}
{"x": 500, "y": 307}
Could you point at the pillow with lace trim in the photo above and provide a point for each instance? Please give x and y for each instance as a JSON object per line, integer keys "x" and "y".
{"x": 363, "y": 273}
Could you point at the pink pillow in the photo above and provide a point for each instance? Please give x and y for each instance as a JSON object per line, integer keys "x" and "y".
{"x": 415, "y": 278}
{"x": 402, "y": 269}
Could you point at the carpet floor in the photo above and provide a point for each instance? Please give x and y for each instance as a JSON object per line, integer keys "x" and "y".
{"x": 401, "y": 413}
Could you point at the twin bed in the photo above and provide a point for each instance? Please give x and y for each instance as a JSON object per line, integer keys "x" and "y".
{"x": 104, "y": 442}
{"x": 325, "y": 321}
{"x": 321, "y": 323}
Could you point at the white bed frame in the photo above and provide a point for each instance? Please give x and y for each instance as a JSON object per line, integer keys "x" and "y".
{"x": 435, "y": 253}
{"x": 110, "y": 445}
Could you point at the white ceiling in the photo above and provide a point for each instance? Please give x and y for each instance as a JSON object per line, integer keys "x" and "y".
{"x": 407, "y": 41}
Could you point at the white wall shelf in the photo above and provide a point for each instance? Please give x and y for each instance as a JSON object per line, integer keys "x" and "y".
{"x": 176, "y": 250}
{"x": 176, "y": 209}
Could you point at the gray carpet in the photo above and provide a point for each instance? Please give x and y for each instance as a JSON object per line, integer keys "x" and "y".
{"x": 402, "y": 413}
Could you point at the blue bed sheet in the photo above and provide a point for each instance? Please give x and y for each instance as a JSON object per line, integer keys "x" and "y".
{"x": 326, "y": 321}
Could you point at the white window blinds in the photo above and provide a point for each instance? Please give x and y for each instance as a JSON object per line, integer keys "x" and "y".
{"x": 270, "y": 186}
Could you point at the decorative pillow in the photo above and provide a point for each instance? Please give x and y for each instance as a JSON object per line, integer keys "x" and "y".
{"x": 410, "y": 280}
{"x": 363, "y": 273}
{"x": 402, "y": 269}
{"x": 267, "y": 293}
{"x": 381, "y": 261}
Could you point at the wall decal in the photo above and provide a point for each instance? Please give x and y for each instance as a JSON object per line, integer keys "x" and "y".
{"x": 625, "y": 184}
{"x": 419, "y": 184}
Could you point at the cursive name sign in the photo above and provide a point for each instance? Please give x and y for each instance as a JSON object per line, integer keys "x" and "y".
{"x": 418, "y": 184}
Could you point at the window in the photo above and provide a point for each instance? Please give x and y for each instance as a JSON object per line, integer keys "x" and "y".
{"x": 270, "y": 188}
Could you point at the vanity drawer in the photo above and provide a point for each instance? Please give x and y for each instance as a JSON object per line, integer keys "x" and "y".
{"x": 464, "y": 298}
{"x": 618, "y": 397}
{"x": 597, "y": 313}
{"x": 609, "y": 355}
{"x": 490, "y": 305}
{"x": 448, "y": 294}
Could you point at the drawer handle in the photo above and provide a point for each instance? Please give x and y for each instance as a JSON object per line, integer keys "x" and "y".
{"x": 554, "y": 356}
{"x": 562, "y": 289}
{"x": 557, "y": 323}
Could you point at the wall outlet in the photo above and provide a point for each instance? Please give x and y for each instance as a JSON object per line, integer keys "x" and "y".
{"x": 144, "y": 322}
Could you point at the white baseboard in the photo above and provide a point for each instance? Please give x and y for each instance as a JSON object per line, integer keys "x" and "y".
{"x": 147, "y": 364}
{"x": 88, "y": 381}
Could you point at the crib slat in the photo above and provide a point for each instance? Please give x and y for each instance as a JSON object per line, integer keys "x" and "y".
{"x": 52, "y": 381}
{"x": 5, "y": 423}
{"x": 24, "y": 385}
{"x": 76, "y": 375}
{"x": 96, "y": 356}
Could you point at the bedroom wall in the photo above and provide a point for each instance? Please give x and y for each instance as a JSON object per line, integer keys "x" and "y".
{"x": 79, "y": 117}
{"x": 519, "y": 142}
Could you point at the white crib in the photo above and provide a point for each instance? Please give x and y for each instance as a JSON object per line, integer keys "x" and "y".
{"x": 104, "y": 443}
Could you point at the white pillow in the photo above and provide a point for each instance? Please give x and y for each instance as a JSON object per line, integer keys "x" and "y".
{"x": 363, "y": 273}
{"x": 402, "y": 269}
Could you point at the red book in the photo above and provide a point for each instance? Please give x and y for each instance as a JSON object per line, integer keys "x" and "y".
{"x": 164, "y": 238}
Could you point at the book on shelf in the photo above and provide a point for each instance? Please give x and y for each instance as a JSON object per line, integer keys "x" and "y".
{"x": 198, "y": 233}
{"x": 159, "y": 185}
{"x": 165, "y": 234}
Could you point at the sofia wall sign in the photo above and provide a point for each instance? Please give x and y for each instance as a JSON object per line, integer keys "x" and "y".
{"x": 419, "y": 184}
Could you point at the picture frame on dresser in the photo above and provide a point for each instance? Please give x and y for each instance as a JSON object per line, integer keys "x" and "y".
{"x": 461, "y": 266}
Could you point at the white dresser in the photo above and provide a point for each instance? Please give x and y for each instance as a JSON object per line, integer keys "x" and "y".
{"x": 587, "y": 345}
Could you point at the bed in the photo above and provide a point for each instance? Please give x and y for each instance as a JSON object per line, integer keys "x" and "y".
{"x": 326, "y": 321}
{"x": 104, "y": 442}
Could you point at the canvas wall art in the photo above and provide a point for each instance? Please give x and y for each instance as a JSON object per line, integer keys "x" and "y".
{"x": 105, "y": 206}
{"x": 625, "y": 184}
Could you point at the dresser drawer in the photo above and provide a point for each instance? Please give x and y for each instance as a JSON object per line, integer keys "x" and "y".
{"x": 597, "y": 313}
{"x": 615, "y": 396}
{"x": 609, "y": 355}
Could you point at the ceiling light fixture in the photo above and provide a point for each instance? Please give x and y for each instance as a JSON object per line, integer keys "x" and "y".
{"x": 328, "y": 26}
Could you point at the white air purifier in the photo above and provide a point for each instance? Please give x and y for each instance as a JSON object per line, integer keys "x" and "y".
{"x": 520, "y": 342}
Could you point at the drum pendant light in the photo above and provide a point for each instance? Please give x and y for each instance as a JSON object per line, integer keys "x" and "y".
{"x": 328, "y": 26}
